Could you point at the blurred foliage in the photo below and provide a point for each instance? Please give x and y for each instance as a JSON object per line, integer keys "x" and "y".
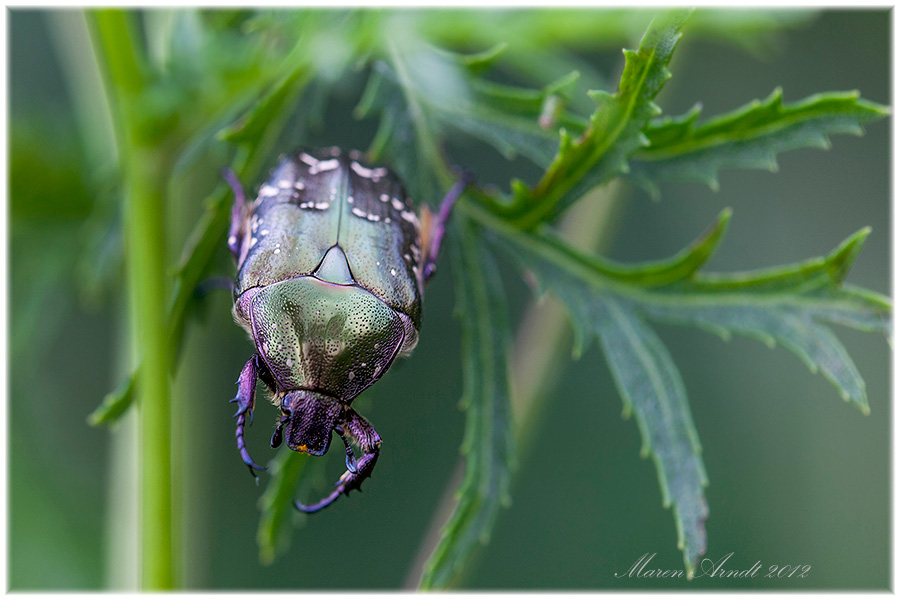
{"x": 238, "y": 86}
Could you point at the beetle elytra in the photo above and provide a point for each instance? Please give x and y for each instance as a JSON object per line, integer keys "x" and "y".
{"x": 332, "y": 261}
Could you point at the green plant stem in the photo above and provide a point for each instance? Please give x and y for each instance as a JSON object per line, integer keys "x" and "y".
{"x": 146, "y": 266}
{"x": 539, "y": 352}
{"x": 144, "y": 173}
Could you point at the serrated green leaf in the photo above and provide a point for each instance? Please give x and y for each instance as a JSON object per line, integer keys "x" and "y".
{"x": 783, "y": 324}
{"x": 651, "y": 386}
{"x": 814, "y": 274}
{"x": 817, "y": 286}
{"x": 489, "y": 444}
{"x": 645, "y": 376}
{"x": 614, "y": 132}
{"x": 655, "y": 273}
{"x": 747, "y": 138}
{"x": 787, "y": 306}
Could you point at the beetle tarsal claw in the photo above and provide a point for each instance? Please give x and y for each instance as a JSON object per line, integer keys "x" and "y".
{"x": 348, "y": 481}
{"x": 311, "y": 508}
{"x": 370, "y": 444}
{"x": 245, "y": 402}
{"x": 242, "y": 448}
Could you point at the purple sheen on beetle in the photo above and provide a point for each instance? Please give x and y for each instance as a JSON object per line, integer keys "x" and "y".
{"x": 332, "y": 261}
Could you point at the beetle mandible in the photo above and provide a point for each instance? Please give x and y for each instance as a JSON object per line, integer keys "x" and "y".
{"x": 331, "y": 264}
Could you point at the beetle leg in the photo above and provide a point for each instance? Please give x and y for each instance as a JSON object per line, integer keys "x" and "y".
{"x": 265, "y": 374}
{"x": 439, "y": 224}
{"x": 245, "y": 400}
{"x": 234, "y": 232}
{"x": 370, "y": 443}
{"x": 350, "y": 461}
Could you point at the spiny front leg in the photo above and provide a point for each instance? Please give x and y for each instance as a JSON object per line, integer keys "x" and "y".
{"x": 357, "y": 471}
{"x": 246, "y": 400}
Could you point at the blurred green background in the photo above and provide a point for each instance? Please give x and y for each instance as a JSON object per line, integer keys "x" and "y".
{"x": 796, "y": 475}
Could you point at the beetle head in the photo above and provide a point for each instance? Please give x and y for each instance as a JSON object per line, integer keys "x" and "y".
{"x": 310, "y": 419}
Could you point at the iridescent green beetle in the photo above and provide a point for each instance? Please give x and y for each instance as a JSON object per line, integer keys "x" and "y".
{"x": 332, "y": 261}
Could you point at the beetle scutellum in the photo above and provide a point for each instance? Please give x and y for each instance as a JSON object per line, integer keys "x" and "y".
{"x": 332, "y": 261}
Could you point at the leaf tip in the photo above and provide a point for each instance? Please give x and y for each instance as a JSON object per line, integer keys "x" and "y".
{"x": 578, "y": 346}
{"x": 776, "y": 96}
{"x": 724, "y": 217}
{"x": 843, "y": 257}
{"x": 95, "y": 419}
{"x": 266, "y": 556}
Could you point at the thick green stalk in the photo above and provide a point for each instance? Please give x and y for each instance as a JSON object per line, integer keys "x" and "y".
{"x": 146, "y": 267}
{"x": 144, "y": 173}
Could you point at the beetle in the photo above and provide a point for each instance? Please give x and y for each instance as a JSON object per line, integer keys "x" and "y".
{"x": 332, "y": 261}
